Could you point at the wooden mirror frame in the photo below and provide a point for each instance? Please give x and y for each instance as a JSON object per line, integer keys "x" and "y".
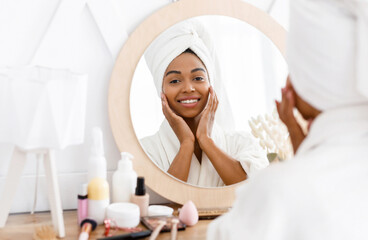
{"x": 121, "y": 79}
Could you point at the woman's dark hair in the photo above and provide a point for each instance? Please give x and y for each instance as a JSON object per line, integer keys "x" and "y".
{"x": 188, "y": 50}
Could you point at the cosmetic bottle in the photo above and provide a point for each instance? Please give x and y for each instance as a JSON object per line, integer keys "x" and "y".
{"x": 124, "y": 179}
{"x": 141, "y": 198}
{"x": 82, "y": 203}
{"x": 98, "y": 199}
{"x": 97, "y": 160}
{"x": 98, "y": 187}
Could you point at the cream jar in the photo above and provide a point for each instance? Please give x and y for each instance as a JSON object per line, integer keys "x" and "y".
{"x": 125, "y": 215}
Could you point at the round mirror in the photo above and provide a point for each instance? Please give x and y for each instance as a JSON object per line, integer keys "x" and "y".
{"x": 245, "y": 39}
{"x": 252, "y": 71}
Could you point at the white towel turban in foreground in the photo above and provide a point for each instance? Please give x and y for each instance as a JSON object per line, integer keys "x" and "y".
{"x": 328, "y": 52}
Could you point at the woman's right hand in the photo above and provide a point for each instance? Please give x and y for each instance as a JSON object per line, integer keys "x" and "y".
{"x": 177, "y": 123}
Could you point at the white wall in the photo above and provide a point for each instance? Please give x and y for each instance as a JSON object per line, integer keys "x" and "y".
{"x": 82, "y": 48}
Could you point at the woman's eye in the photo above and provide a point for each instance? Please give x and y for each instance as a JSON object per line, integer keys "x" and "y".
{"x": 199, "y": 79}
{"x": 174, "y": 81}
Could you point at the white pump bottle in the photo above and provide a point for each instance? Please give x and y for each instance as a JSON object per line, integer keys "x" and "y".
{"x": 124, "y": 179}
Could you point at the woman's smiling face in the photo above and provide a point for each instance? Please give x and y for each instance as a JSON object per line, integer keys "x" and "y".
{"x": 186, "y": 85}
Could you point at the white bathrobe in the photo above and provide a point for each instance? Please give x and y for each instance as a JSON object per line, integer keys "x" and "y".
{"x": 163, "y": 146}
{"x": 321, "y": 194}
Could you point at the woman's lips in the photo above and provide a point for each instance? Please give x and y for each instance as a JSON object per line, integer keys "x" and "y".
{"x": 189, "y": 102}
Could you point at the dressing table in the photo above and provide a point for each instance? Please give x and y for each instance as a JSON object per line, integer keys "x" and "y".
{"x": 22, "y": 226}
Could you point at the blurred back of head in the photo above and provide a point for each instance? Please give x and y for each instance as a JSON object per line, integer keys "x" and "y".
{"x": 328, "y": 52}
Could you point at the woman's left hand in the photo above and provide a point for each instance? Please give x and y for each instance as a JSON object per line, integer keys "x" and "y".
{"x": 285, "y": 109}
{"x": 228, "y": 168}
{"x": 208, "y": 116}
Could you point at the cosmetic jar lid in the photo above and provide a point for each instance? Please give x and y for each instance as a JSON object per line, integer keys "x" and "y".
{"x": 159, "y": 210}
{"x": 125, "y": 215}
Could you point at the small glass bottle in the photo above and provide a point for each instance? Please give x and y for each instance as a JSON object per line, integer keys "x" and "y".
{"x": 141, "y": 198}
{"x": 82, "y": 203}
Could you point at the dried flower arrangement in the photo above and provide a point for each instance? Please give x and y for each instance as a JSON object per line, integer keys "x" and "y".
{"x": 273, "y": 135}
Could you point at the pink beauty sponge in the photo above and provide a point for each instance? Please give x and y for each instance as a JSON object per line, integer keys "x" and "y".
{"x": 189, "y": 214}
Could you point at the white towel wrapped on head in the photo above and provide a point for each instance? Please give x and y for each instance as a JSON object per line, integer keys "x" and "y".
{"x": 173, "y": 42}
{"x": 192, "y": 34}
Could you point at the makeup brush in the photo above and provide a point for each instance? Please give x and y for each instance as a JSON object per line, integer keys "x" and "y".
{"x": 157, "y": 229}
{"x": 44, "y": 232}
{"x": 174, "y": 228}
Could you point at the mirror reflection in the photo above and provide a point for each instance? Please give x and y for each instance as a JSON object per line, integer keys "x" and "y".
{"x": 193, "y": 93}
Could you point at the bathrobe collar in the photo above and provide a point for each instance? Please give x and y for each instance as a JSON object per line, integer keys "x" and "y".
{"x": 201, "y": 174}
